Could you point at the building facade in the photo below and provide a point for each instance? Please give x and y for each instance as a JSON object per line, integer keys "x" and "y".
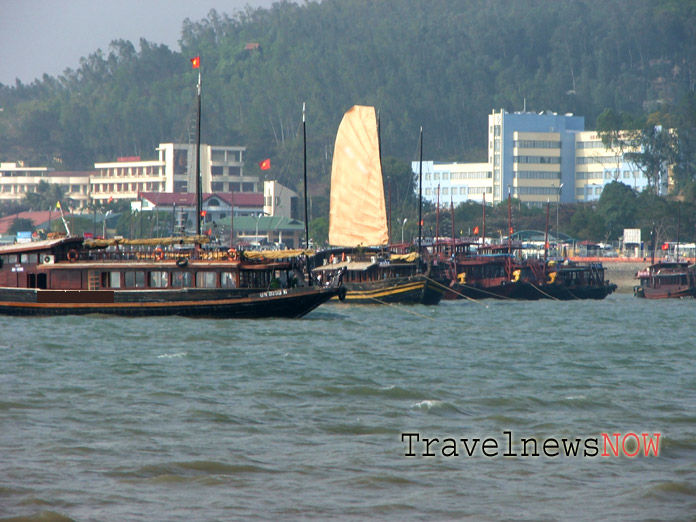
{"x": 17, "y": 180}
{"x": 535, "y": 157}
{"x": 221, "y": 168}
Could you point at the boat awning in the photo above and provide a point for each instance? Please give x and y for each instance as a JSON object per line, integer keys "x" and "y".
{"x": 39, "y": 245}
{"x": 360, "y": 266}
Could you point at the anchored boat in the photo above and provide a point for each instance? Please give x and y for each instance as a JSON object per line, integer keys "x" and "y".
{"x": 68, "y": 275}
{"x": 358, "y": 224}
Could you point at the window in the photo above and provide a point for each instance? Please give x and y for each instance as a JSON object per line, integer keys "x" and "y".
{"x": 216, "y": 171}
{"x": 134, "y": 279}
{"x": 159, "y": 279}
{"x": 206, "y": 279}
{"x": 111, "y": 279}
{"x": 228, "y": 280}
{"x": 182, "y": 280}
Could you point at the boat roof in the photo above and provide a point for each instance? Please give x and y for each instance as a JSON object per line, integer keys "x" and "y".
{"x": 34, "y": 246}
{"x": 359, "y": 266}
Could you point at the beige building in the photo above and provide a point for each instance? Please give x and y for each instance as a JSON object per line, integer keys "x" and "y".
{"x": 16, "y": 181}
{"x": 279, "y": 200}
{"x": 222, "y": 170}
{"x": 596, "y": 166}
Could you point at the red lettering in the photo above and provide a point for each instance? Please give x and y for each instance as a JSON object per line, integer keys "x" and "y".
{"x": 648, "y": 445}
{"x": 623, "y": 445}
{"x": 615, "y": 450}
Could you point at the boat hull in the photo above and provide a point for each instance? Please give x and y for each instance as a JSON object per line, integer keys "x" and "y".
{"x": 408, "y": 290}
{"x": 284, "y": 303}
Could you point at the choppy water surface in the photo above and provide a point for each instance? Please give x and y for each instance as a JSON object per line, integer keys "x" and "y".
{"x": 177, "y": 419}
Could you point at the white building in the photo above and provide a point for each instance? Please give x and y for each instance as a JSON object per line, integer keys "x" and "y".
{"x": 537, "y": 157}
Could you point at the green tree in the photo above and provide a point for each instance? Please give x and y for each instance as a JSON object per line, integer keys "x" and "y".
{"x": 617, "y": 206}
{"x": 21, "y": 225}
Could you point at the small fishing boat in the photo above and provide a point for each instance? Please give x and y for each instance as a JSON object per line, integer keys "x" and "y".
{"x": 666, "y": 279}
{"x": 68, "y": 275}
{"x": 358, "y": 225}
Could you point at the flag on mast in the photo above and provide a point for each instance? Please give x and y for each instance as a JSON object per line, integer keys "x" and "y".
{"x": 196, "y": 62}
{"x": 265, "y": 164}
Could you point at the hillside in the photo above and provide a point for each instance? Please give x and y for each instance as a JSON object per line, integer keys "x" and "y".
{"x": 441, "y": 64}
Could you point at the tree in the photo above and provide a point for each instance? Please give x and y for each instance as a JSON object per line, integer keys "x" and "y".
{"x": 617, "y": 206}
{"x": 21, "y": 225}
{"x": 659, "y": 149}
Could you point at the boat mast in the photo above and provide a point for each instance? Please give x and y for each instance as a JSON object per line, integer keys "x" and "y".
{"x": 198, "y": 156}
{"x": 452, "y": 215}
{"x": 678, "y": 226}
{"x": 483, "y": 232}
{"x": 304, "y": 141}
{"x": 546, "y": 232}
{"x": 437, "y": 224}
{"x": 379, "y": 151}
{"x": 420, "y": 194}
{"x": 509, "y": 223}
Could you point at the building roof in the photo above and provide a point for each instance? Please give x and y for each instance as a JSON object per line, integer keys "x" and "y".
{"x": 38, "y": 218}
{"x": 188, "y": 199}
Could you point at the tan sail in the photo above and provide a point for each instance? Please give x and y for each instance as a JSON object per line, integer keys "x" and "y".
{"x": 357, "y": 215}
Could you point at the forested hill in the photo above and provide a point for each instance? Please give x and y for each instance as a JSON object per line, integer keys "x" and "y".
{"x": 440, "y": 64}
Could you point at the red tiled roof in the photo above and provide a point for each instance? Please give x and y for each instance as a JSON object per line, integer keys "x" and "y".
{"x": 37, "y": 217}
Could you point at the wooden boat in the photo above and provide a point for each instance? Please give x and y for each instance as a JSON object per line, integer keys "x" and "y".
{"x": 379, "y": 276}
{"x": 666, "y": 279}
{"x": 358, "y": 224}
{"x": 568, "y": 281}
{"x": 496, "y": 273}
{"x": 71, "y": 276}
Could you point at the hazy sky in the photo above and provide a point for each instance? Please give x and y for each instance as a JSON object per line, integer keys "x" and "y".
{"x": 49, "y": 36}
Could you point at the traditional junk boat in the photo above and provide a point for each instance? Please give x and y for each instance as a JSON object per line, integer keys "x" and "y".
{"x": 68, "y": 275}
{"x": 666, "y": 279}
{"x": 494, "y": 271}
{"x": 358, "y": 225}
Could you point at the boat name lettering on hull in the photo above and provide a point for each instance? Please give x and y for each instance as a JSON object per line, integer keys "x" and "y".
{"x": 274, "y": 293}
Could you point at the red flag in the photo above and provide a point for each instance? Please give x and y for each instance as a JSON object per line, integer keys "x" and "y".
{"x": 196, "y": 62}
{"x": 665, "y": 246}
{"x": 476, "y": 230}
{"x": 265, "y": 164}
{"x": 511, "y": 231}
{"x": 111, "y": 199}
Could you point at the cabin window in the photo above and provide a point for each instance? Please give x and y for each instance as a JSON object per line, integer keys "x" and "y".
{"x": 111, "y": 280}
{"x": 159, "y": 279}
{"x": 29, "y": 259}
{"x": 206, "y": 279}
{"x": 182, "y": 279}
{"x": 12, "y": 258}
{"x": 134, "y": 279}
{"x": 227, "y": 280}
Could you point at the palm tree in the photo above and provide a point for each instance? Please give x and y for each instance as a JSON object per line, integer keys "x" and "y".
{"x": 47, "y": 196}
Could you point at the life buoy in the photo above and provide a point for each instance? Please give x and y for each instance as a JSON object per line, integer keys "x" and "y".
{"x": 159, "y": 254}
{"x": 343, "y": 256}
{"x": 331, "y": 259}
{"x": 73, "y": 255}
{"x": 181, "y": 262}
{"x": 232, "y": 254}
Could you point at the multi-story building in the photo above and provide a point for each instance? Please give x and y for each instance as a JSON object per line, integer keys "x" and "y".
{"x": 536, "y": 158}
{"x": 597, "y": 166}
{"x": 16, "y": 181}
{"x": 221, "y": 168}
{"x": 456, "y": 182}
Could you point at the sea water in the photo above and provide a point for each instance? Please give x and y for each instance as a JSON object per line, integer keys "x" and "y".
{"x": 355, "y": 413}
